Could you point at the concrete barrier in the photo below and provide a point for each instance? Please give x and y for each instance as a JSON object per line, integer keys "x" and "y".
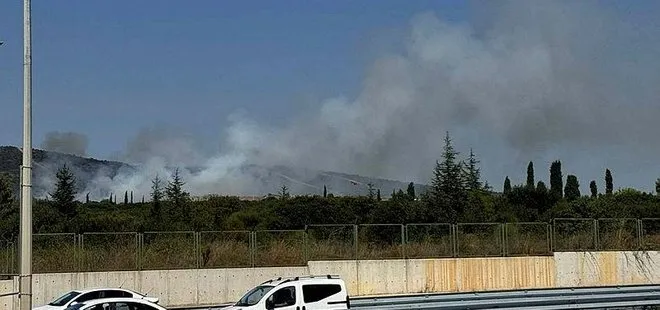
{"x": 607, "y": 268}
{"x": 7, "y": 287}
{"x": 371, "y": 277}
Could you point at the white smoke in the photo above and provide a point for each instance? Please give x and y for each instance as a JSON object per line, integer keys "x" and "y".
{"x": 531, "y": 81}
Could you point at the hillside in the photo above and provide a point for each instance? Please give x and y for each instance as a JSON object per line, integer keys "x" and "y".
{"x": 299, "y": 181}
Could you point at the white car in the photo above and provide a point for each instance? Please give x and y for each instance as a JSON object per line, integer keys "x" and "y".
{"x": 123, "y": 303}
{"x": 312, "y": 292}
{"x": 82, "y": 296}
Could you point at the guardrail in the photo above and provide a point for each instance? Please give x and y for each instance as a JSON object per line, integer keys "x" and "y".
{"x": 605, "y": 297}
{"x": 565, "y": 298}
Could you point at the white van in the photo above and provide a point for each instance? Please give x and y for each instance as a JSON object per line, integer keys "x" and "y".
{"x": 299, "y": 293}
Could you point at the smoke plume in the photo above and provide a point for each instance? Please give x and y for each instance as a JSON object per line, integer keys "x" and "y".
{"x": 524, "y": 80}
{"x": 66, "y": 142}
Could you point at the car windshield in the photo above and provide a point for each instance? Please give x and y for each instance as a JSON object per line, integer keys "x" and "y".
{"x": 64, "y": 299}
{"x": 254, "y": 296}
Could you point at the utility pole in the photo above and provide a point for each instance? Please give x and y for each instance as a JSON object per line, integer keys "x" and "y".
{"x": 25, "y": 282}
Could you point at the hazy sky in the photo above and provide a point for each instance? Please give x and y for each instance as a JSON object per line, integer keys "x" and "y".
{"x": 517, "y": 81}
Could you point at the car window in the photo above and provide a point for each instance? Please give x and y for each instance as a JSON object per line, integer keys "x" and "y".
{"x": 64, "y": 299}
{"x": 88, "y": 296}
{"x": 316, "y": 292}
{"x": 128, "y": 306}
{"x": 284, "y": 297}
{"x": 116, "y": 294}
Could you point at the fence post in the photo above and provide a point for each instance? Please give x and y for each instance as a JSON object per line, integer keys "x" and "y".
{"x": 639, "y": 235}
{"x": 403, "y": 241}
{"x": 548, "y": 231}
{"x": 505, "y": 240}
{"x": 198, "y": 250}
{"x": 253, "y": 248}
{"x": 596, "y": 235}
{"x": 305, "y": 246}
{"x": 80, "y": 249}
{"x": 140, "y": 250}
{"x": 454, "y": 237}
{"x": 355, "y": 241}
{"x": 553, "y": 239}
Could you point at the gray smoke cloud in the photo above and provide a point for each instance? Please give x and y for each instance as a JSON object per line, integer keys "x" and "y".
{"x": 66, "y": 142}
{"x": 524, "y": 80}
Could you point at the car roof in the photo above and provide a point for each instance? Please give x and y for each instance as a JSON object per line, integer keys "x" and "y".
{"x": 104, "y": 289}
{"x": 312, "y": 278}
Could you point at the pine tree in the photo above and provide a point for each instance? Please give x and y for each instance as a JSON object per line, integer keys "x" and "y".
{"x": 556, "y": 180}
{"x": 174, "y": 190}
{"x": 411, "y": 191}
{"x": 472, "y": 173}
{"x": 448, "y": 189}
{"x": 594, "y": 189}
{"x": 65, "y": 191}
{"x": 507, "y": 186}
{"x": 372, "y": 191}
{"x": 609, "y": 184}
{"x": 156, "y": 195}
{"x": 284, "y": 192}
{"x": 530, "y": 175}
{"x": 572, "y": 190}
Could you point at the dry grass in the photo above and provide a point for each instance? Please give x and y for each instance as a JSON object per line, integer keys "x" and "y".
{"x": 60, "y": 253}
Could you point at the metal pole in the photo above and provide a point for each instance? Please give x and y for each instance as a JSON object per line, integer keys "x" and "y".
{"x": 25, "y": 286}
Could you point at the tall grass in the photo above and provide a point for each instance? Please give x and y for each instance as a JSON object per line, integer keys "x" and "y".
{"x": 148, "y": 251}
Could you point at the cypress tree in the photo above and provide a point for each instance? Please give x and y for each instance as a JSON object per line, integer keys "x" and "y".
{"x": 507, "y": 186}
{"x": 572, "y": 190}
{"x": 325, "y": 192}
{"x": 609, "y": 184}
{"x": 594, "y": 189}
{"x": 530, "y": 175}
{"x": 657, "y": 187}
{"x": 556, "y": 180}
{"x": 125, "y": 197}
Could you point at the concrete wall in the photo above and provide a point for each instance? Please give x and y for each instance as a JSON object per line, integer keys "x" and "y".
{"x": 371, "y": 277}
{"x": 6, "y": 287}
{"x": 379, "y": 277}
{"x": 607, "y": 268}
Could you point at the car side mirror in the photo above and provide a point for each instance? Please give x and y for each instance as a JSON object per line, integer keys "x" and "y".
{"x": 269, "y": 304}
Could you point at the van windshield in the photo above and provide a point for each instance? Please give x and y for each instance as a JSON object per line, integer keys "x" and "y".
{"x": 254, "y": 295}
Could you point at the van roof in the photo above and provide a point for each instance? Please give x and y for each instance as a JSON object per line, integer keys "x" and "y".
{"x": 310, "y": 278}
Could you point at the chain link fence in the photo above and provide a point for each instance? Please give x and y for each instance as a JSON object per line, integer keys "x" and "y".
{"x": 111, "y": 251}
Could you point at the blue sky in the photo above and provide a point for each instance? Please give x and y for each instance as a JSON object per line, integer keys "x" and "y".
{"x": 109, "y": 68}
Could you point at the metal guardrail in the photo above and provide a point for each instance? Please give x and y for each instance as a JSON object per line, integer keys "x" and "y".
{"x": 609, "y": 297}
{"x": 567, "y": 298}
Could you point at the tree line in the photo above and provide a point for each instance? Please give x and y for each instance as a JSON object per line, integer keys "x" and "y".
{"x": 456, "y": 193}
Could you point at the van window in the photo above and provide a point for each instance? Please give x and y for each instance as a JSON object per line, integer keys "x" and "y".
{"x": 284, "y": 297}
{"x": 316, "y": 292}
